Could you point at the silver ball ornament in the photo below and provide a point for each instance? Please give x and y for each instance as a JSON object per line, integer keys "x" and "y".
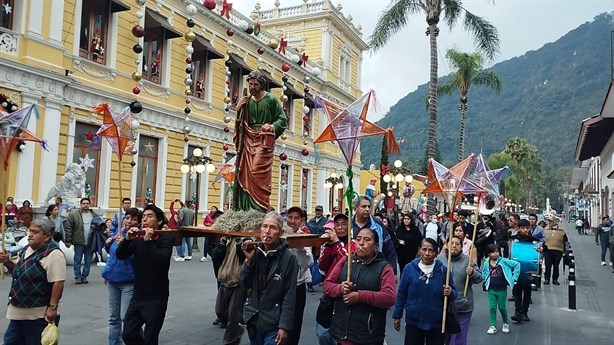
{"x": 135, "y": 124}
{"x": 134, "y": 151}
{"x": 188, "y": 82}
{"x": 227, "y": 119}
{"x": 138, "y": 14}
{"x": 187, "y": 130}
{"x": 140, "y": 2}
{"x": 306, "y": 79}
{"x": 191, "y": 9}
{"x": 306, "y": 110}
{"x": 189, "y": 49}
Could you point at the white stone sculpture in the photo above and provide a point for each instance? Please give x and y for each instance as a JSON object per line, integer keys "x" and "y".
{"x": 71, "y": 186}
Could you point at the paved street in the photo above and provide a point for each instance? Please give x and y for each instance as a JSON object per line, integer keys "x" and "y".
{"x": 190, "y": 312}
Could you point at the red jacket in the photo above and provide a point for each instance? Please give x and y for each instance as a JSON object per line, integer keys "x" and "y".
{"x": 172, "y": 220}
{"x": 332, "y": 254}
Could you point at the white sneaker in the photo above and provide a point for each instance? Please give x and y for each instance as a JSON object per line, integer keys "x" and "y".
{"x": 203, "y": 259}
{"x": 180, "y": 259}
{"x": 602, "y": 263}
{"x": 101, "y": 264}
{"x": 610, "y": 263}
{"x": 505, "y": 328}
{"x": 189, "y": 257}
{"x": 492, "y": 330}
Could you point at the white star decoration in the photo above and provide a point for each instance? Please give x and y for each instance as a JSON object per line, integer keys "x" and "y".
{"x": 7, "y": 8}
{"x": 86, "y": 162}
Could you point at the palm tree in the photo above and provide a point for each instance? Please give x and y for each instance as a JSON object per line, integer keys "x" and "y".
{"x": 395, "y": 17}
{"x": 468, "y": 72}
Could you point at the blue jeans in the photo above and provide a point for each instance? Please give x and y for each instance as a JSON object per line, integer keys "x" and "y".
{"x": 605, "y": 245}
{"x": 120, "y": 295}
{"x": 262, "y": 338}
{"x": 26, "y": 332}
{"x": 80, "y": 251}
{"x": 188, "y": 242}
{"x": 324, "y": 336}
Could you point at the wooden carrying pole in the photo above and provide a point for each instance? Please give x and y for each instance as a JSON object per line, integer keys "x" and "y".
{"x": 3, "y": 193}
{"x": 445, "y": 298}
{"x": 471, "y": 248}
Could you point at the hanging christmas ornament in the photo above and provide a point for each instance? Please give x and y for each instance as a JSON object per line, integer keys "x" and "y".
{"x": 210, "y": 4}
{"x": 257, "y": 29}
{"x": 225, "y": 147}
{"x": 283, "y": 156}
{"x": 136, "y": 107}
{"x": 283, "y": 137}
{"x": 227, "y": 119}
{"x": 273, "y": 43}
{"x": 306, "y": 118}
{"x": 230, "y": 32}
{"x": 295, "y": 58}
{"x": 136, "y": 90}
{"x": 249, "y": 30}
{"x": 285, "y": 67}
{"x": 226, "y": 129}
{"x": 138, "y": 31}
{"x": 305, "y": 152}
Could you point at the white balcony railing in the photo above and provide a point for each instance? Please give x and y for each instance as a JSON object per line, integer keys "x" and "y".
{"x": 8, "y": 41}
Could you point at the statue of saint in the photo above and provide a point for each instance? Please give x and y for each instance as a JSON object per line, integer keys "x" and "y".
{"x": 260, "y": 120}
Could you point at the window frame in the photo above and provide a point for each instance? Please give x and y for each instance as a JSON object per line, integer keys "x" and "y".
{"x": 83, "y": 150}
{"x": 10, "y": 16}
{"x": 92, "y": 6}
{"x": 200, "y": 66}
{"x": 148, "y": 40}
{"x": 140, "y": 179}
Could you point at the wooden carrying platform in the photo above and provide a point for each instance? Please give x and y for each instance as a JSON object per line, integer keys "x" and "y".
{"x": 294, "y": 240}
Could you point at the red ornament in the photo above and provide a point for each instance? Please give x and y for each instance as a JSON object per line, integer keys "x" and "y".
{"x": 136, "y": 90}
{"x": 285, "y": 67}
{"x": 138, "y": 31}
{"x": 226, "y": 129}
{"x": 188, "y": 60}
{"x": 225, "y": 147}
{"x": 283, "y": 156}
{"x": 228, "y": 82}
{"x": 209, "y": 4}
{"x": 132, "y": 164}
{"x": 306, "y": 118}
{"x": 187, "y": 101}
{"x": 261, "y": 50}
{"x": 304, "y": 186}
{"x": 230, "y": 32}
{"x": 305, "y": 152}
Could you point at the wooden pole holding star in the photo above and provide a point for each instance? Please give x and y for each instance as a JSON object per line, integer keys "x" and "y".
{"x": 347, "y": 126}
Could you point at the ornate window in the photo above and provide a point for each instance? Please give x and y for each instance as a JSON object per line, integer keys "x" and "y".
{"x": 226, "y": 195}
{"x": 305, "y": 188}
{"x": 157, "y": 31}
{"x": 238, "y": 71}
{"x": 203, "y": 53}
{"x": 6, "y": 13}
{"x": 284, "y": 185}
{"x": 86, "y": 152}
{"x": 95, "y": 15}
{"x": 147, "y": 168}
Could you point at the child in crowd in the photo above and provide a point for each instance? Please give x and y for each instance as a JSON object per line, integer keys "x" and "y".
{"x": 498, "y": 273}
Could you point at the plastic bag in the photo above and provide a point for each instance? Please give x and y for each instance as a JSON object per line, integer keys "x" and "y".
{"x": 50, "y": 335}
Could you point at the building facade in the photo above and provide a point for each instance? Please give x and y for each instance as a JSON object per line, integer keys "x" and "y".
{"x": 68, "y": 56}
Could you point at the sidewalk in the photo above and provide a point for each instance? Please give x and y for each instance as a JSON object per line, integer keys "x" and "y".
{"x": 189, "y": 318}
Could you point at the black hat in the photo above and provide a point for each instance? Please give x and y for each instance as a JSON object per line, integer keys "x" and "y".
{"x": 319, "y": 208}
{"x": 340, "y": 216}
{"x": 297, "y": 209}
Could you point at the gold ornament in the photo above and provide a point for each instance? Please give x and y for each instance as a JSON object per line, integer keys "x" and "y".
{"x": 189, "y": 36}
{"x": 305, "y": 142}
{"x": 227, "y": 100}
{"x": 284, "y": 98}
{"x": 136, "y": 76}
{"x": 283, "y": 137}
{"x": 273, "y": 43}
{"x": 188, "y": 92}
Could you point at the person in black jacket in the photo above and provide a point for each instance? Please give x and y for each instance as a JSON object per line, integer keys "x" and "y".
{"x": 410, "y": 238}
{"x": 270, "y": 270}
{"x": 152, "y": 254}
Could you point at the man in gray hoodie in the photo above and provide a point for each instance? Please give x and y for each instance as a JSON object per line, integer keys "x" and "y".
{"x": 603, "y": 234}
{"x": 270, "y": 271}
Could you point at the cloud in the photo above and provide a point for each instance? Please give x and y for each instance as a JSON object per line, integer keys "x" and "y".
{"x": 403, "y": 64}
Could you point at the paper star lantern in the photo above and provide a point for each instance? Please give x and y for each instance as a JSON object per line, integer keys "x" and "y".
{"x": 117, "y": 129}
{"x": 13, "y": 129}
{"x": 348, "y": 125}
{"x": 451, "y": 183}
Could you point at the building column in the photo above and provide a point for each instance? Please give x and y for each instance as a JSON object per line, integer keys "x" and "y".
{"x": 49, "y": 160}
{"x": 25, "y": 174}
{"x": 34, "y": 19}
{"x": 321, "y": 192}
{"x": 55, "y": 30}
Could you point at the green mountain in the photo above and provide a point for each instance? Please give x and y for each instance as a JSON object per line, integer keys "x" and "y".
{"x": 545, "y": 94}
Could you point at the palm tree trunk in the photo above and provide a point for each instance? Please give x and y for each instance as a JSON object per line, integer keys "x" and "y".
{"x": 432, "y": 134}
{"x": 461, "y": 144}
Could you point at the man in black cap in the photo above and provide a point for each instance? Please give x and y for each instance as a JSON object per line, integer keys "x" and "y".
{"x": 316, "y": 224}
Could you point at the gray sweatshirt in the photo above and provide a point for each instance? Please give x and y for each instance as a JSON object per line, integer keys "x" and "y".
{"x": 459, "y": 265}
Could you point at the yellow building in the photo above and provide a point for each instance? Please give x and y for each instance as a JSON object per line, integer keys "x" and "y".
{"x": 67, "y": 56}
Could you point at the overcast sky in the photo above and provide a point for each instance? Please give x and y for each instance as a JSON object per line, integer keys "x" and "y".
{"x": 403, "y": 64}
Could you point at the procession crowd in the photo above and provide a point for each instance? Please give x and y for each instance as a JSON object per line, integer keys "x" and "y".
{"x": 419, "y": 270}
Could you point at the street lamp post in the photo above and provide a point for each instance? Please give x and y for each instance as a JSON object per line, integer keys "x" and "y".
{"x": 333, "y": 181}
{"x": 397, "y": 174}
{"x": 196, "y": 163}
